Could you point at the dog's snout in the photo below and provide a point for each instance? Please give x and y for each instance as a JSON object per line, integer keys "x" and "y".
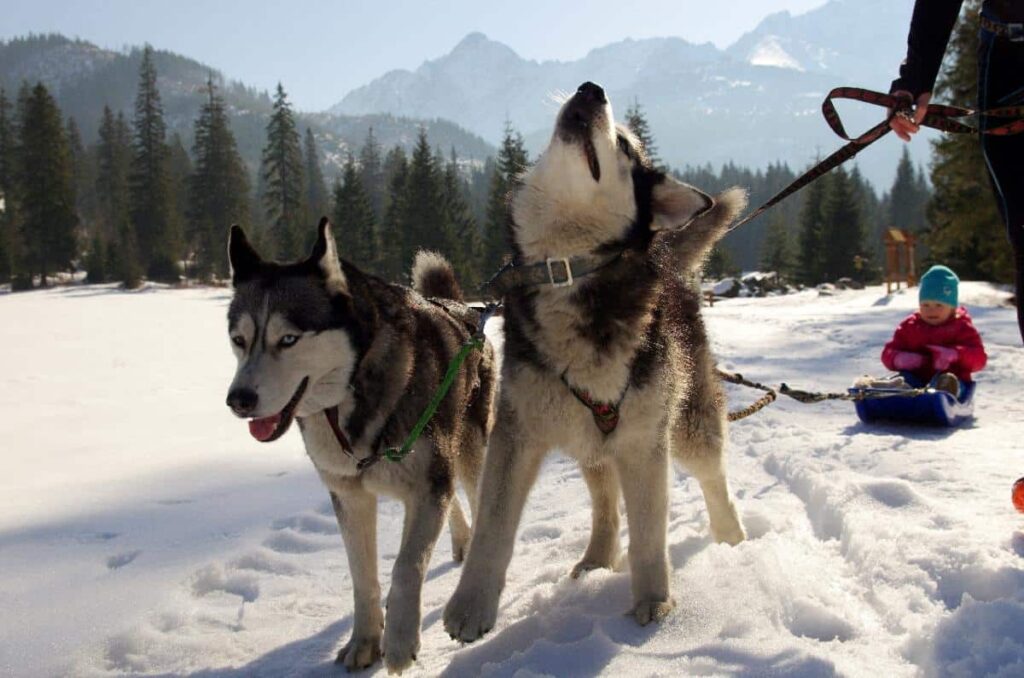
{"x": 242, "y": 401}
{"x": 592, "y": 92}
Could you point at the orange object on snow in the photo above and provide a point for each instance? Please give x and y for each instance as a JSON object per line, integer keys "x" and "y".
{"x": 1018, "y": 494}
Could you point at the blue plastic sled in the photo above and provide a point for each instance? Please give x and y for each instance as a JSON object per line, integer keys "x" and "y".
{"x": 933, "y": 408}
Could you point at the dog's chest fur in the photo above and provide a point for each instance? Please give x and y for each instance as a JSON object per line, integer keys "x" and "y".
{"x": 625, "y": 331}
{"x": 592, "y": 332}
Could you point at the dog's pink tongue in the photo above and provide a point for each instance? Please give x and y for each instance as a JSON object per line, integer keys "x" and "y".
{"x": 262, "y": 429}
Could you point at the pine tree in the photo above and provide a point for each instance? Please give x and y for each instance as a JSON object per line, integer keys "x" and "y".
{"x": 512, "y": 162}
{"x": 423, "y": 222}
{"x": 152, "y": 199}
{"x": 83, "y": 177}
{"x": 810, "y": 254}
{"x": 354, "y": 220}
{"x": 637, "y": 123}
{"x": 777, "y": 254}
{"x": 7, "y": 245}
{"x": 316, "y": 199}
{"x": 179, "y": 168}
{"x": 371, "y": 173}
{"x": 218, "y": 187}
{"x": 967, "y": 233}
{"x": 908, "y": 197}
{"x": 466, "y": 244}
{"x": 44, "y": 186}
{"x": 114, "y": 229}
{"x": 283, "y": 180}
{"x": 392, "y": 239}
{"x": 842, "y": 234}
{"x": 720, "y": 263}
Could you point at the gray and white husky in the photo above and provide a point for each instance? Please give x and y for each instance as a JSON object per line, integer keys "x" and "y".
{"x": 356, "y": 360}
{"x": 613, "y": 367}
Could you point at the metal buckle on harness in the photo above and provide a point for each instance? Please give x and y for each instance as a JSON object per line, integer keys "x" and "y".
{"x": 566, "y": 278}
{"x": 1015, "y": 32}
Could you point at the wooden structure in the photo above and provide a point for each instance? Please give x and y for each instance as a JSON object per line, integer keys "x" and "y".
{"x": 899, "y": 258}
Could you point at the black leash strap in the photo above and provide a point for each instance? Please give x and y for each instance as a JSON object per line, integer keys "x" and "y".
{"x": 938, "y": 116}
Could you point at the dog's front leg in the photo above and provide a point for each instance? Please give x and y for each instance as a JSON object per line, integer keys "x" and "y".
{"x": 424, "y": 517}
{"x": 643, "y": 475}
{"x": 356, "y": 510}
{"x": 603, "y": 549}
{"x": 510, "y": 468}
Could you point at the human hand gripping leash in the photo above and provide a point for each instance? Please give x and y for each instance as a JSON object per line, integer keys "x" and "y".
{"x": 936, "y": 116}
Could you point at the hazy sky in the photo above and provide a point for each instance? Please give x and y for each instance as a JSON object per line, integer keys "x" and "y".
{"x": 320, "y": 49}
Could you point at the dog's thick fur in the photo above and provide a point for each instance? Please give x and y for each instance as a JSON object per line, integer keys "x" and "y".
{"x": 378, "y": 352}
{"x": 633, "y": 327}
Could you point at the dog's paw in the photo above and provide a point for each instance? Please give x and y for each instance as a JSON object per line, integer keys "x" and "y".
{"x": 468, "y": 617}
{"x": 359, "y": 653}
{"x": 731, "y": 534}
{"x": 459, "y": 549}
{"x": 647, "y": 611}
{"x": 398, "y": 656}
{"x": 588, "y": 564}
{"x": 401, "y": 636}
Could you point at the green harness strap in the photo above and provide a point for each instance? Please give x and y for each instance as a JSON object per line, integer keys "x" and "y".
{"x": 399, "y": 453}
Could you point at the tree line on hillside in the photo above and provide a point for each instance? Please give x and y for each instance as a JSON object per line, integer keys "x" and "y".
{"x": 829, "y": 230}
{"x": 138, "y": 204}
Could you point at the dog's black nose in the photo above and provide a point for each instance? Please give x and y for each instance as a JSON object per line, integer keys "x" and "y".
{"x": 242, "y": 401}
{"x": 592, "y": 92}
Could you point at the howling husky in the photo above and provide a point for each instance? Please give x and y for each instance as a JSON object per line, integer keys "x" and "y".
{"x": 605, "y": 357}
{"x": 356, "y": 361}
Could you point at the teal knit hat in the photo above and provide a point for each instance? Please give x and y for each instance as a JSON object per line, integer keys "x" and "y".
{"x": 939, "y": 284}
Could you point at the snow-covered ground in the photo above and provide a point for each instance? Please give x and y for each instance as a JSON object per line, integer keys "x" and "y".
{"x": 144, "y": 531}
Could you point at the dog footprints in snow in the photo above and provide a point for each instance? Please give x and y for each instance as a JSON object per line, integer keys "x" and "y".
{"x": 93, "y": 537}
{"x": 292, "y": 542}
{"x": 892, "y": 494}
{"x": 303, "y": 533}
{"x": 540, "y": 533}
{"x": 118, "y": 561}
{"x": 214, "y": 579}
{"x": 308, "y": 524}
{"x": 809, "y": 620}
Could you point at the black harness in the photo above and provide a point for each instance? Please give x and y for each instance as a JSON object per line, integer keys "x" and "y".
{"x": 562, "y": 272}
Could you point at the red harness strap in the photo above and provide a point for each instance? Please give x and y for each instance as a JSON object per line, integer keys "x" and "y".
{"x": 332, "y": 419}
{"x": 606, "y": 415}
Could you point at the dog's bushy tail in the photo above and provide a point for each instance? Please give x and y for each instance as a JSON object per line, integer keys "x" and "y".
{"x": 688, "y": 247}
{"x": 433, "y": 276}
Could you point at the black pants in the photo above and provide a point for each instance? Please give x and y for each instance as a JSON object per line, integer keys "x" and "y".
{"x": 1001, "y": 83}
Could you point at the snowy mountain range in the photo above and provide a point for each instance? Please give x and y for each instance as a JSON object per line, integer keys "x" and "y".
{"x": 84, "y": 78}
{"x": 755, "y": 102}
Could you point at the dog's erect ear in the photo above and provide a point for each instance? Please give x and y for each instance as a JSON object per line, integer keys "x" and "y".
{"x": 675, "y": 204}
{"x": 244, "y": 260}
{"x": 325, "y": 258}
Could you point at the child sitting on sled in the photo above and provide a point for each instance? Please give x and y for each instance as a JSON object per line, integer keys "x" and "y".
{"x": 936, "y": 346}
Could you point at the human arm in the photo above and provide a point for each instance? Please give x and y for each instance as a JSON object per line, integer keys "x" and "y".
{"x": 898, "y": 355}
{"x": 970, "y": 351}
{"x": 930, "y": 28}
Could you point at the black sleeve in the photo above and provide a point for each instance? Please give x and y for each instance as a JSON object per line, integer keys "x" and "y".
{"x": 929, "y": 32}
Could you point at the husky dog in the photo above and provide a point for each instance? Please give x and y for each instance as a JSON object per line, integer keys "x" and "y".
{"x": 356, "y": 361}
{"x": 613, "y": 367}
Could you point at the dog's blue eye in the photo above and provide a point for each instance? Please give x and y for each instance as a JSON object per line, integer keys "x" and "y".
{"x": 238, "y": 340}
{"x": 288, "y": 340}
